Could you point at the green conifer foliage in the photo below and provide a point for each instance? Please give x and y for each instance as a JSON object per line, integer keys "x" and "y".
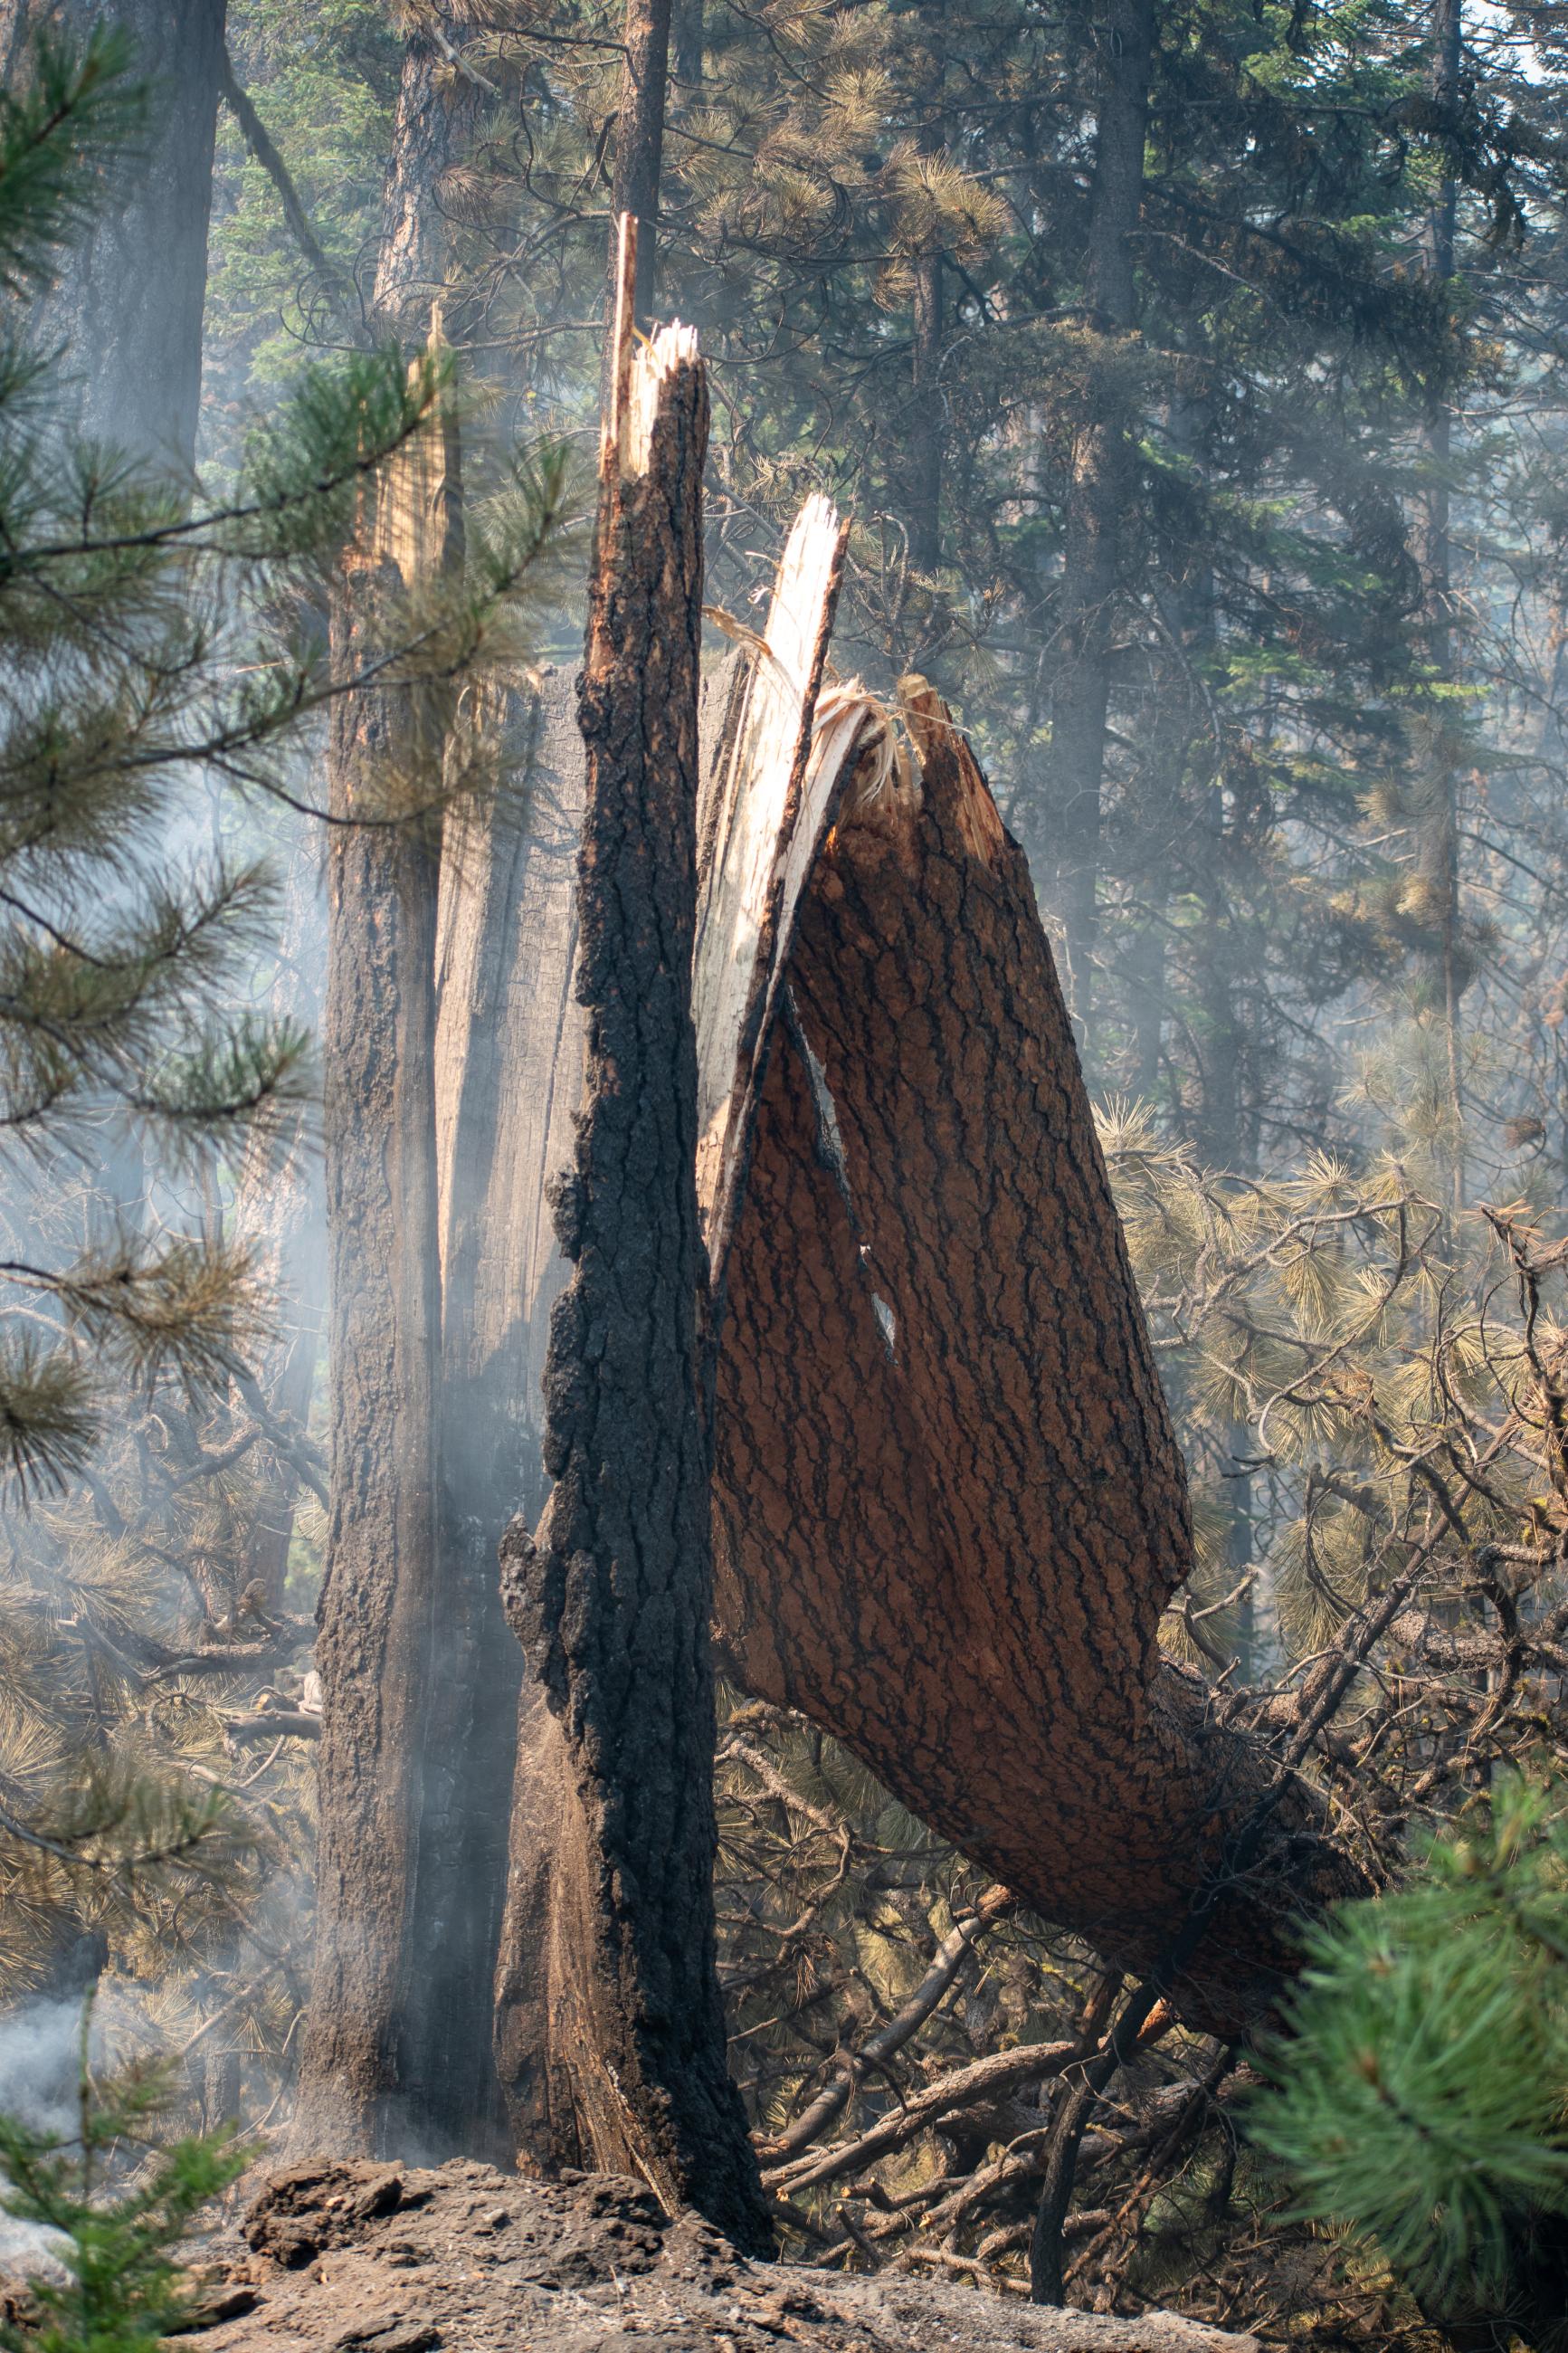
{"x": 117, "y": 2226}
{"x": 1421, "y": 2089}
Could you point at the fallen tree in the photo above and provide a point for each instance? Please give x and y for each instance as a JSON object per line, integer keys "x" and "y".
{"x": 949, "y": 1506}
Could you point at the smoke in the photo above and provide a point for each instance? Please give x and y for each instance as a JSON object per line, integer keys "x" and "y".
{"x": 40, "y": 2048}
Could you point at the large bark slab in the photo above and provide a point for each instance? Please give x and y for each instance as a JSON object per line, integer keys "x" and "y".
{"x": 950, "y": 1505}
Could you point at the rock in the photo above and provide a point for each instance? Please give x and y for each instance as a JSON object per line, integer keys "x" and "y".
{"x": 360, "y": 2258}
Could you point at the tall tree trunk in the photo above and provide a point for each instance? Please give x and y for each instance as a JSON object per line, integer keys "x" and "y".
{"x": 761, "y": 780}
{"x": 396, "y": 2039}
{"x": 613, "y": 1602}
{"x": 280, "y": 1215}
{"x": 686, "y": 43}
{"x": 926, "y": 435}
{"x": 639, "y": 148}
{"x": 127, "y": 304}
{"x": 1102, "y": 479}
{"x": 363, "y": 2082}
{"x": 1439, "y": 745}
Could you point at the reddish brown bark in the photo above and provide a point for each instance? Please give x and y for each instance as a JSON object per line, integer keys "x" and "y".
{"x": 362, "y": 2085}
{"x": 949, "y": 1506}
{"x": 417, "y": 1702}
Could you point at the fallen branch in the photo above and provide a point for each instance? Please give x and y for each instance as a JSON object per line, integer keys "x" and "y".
{"x": 879, "y": 2047}
{"x": 1003, "y": 2070}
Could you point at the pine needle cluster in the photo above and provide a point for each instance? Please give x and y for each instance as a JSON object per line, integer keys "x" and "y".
{"x": 1421, "y": 2088}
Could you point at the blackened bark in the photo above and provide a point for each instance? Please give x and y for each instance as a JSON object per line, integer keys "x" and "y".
{"x": 1103, "y": 479}
{"x": 613, "y": 1601}
{"x": 127, "y": 302}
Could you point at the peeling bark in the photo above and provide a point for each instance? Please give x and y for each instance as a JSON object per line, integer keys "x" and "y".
{"x": 950, "y": 1505}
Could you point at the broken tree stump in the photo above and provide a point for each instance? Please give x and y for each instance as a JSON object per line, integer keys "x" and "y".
{"x": 612, "y": 1602}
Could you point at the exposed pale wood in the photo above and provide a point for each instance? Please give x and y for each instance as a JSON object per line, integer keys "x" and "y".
{"x": 759, "y": 837}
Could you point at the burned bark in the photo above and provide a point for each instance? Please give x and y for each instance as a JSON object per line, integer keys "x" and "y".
{"x": 949, "y": 1506}
{"x": 612, "y": 1603}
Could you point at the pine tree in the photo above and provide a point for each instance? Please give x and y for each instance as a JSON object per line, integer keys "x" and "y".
{"x": 118, "y": 2233}
{"x": 1419, "y": 2090}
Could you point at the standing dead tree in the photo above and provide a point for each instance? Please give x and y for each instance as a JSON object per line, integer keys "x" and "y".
{"x": 613, "y": 1601}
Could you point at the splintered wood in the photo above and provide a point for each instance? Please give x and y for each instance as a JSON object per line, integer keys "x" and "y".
{"x": 767, "y": 806}
{"x": 641, "y": 370}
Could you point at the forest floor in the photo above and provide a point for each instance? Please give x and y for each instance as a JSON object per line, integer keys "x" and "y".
{"x": 366, "y": 2258}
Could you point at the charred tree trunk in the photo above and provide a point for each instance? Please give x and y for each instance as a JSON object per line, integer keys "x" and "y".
{"x": 950, "y": 1508}
{"x": 761, "y": 782}
{"x": 613, "y": 1602}
{"x": 1103, "y": 479}
{"x": 128, "y": 302}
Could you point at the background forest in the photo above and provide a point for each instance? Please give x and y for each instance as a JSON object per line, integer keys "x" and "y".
{"x": 1193, "y": 380}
